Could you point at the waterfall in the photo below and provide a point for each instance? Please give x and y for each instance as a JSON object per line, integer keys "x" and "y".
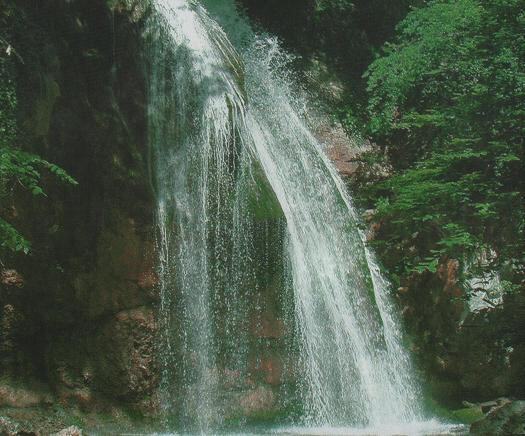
{"x": 226, "y": 131}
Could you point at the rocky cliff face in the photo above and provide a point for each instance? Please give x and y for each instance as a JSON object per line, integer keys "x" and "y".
{"x": 77, "y": 314}
{"x": 465, "y": 354}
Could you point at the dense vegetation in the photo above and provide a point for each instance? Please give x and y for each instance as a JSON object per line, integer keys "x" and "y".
{"x": 446, "y": 102}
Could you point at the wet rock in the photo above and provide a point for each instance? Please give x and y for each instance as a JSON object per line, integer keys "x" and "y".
{"x": 93, "y": 257}
{"x": 339, "y": 149}
{"x": 258, "y": 401}
{"x": 267, "y": 326}
{"x": 343, "y": 159}
{"x": 40, "y": 122}
{"x": 115, "y": 359}
{"x": 79, "y": 396}
{"x": 134, "y": 9}
{"x": 486, "y": 406}
{"x": 269, "y": 368}
{"x": 9, "y": 320}
{"x": 507, "y": 419}
{"x": 148, "y": 279}
{"x": 71, "y": 370}
{"x": 126, "y": 359}
{"x": 231, "y": 378}
{"x": 20, "y": 397}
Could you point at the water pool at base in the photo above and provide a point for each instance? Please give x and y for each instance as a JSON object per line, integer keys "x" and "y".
{"x": 424, "y": 428}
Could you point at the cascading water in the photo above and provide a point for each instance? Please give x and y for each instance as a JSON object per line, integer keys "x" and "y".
{"x": 196, "y": 109}
{"x": 225, "y": 129}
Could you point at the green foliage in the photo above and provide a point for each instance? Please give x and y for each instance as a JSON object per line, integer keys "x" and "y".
{"x": 24, "y": 169}
{"x": 448, "y": 99}
{"x": 11, "y": 239}
{"x": 468, "y": 415}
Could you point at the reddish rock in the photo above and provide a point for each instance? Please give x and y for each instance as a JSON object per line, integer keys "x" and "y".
{"x": 124, "y": 277}
{"x": 257, "y": 401}
{"x": 339, "y": 148}
{"x": 271, "y": 367}
{"x": 19, "y": 397}
{"x": 448, "y": 272}
{"x": 373, "y": 231}
{"x": 70, "y": 431}
{"x": 231, "y": 378}
{"x": 148, "y": 279}
{"x": 343, "y": 159}
{"x": 10, "y": 277}
{"x": 126, "y": 356}
{"x": 267, "y": 326}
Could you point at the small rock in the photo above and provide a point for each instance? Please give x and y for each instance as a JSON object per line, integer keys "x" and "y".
{"x": 10, "y": 277}
{"x": 126, "y": 364}
{"x": 487, "y": 406}
{"x": 368, "y": 215}
{"x": 70, "y": 431}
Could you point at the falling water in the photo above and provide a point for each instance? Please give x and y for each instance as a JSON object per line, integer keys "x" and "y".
{"x": 225, "y": 129}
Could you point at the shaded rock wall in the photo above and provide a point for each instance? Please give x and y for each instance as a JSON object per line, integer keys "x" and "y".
{"x": 77, "y": 314}
{"x": 463, "y": 355}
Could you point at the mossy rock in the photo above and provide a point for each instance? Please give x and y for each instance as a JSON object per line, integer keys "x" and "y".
{"x": 262, "y": 201}
{"x": 468, "y": 415}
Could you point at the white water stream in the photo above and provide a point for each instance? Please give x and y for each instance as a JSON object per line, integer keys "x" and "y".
{"x": 225, "y": 126}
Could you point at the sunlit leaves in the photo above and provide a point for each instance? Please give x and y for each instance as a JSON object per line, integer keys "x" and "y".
{"x": 448, "y": 99}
